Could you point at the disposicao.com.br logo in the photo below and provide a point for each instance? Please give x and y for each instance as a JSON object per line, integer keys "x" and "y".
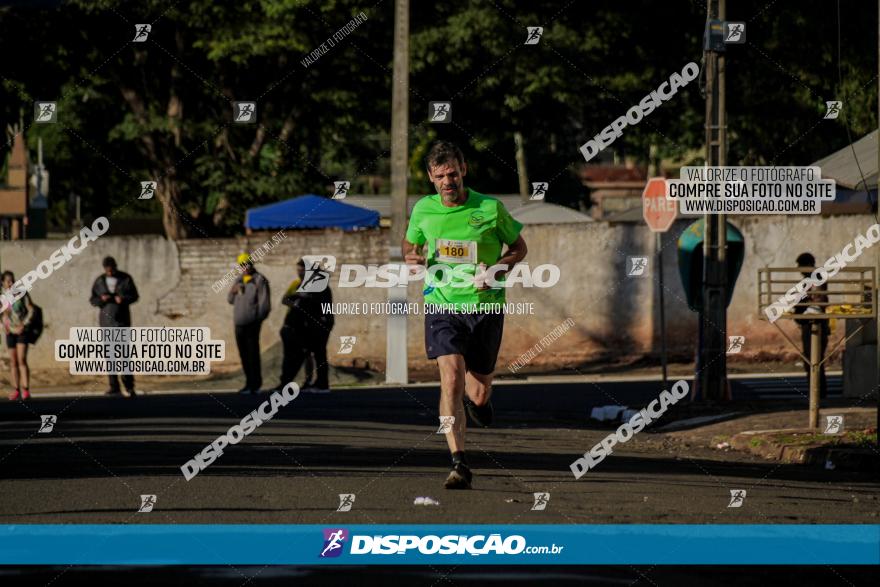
{"x": 479, "y": 544}
{"x": 461, "y": 275}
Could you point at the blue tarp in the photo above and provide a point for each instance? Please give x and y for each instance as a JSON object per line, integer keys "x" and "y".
{"x": 310, "y": 211}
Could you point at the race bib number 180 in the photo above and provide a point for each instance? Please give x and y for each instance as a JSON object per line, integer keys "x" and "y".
{"x": 456, "y": 251}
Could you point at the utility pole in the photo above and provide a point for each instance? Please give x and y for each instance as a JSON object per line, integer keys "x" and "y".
{"x": 521, "y": 167}
{"x": 877, "y": 252}
{"x": 712, "y": 360}
{"x": 395, "y": 348}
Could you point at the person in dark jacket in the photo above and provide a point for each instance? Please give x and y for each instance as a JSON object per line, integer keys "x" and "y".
{"x": 305, "y": 332}
{"x": 113, "y": 292}
{"x": 249, "y": 296}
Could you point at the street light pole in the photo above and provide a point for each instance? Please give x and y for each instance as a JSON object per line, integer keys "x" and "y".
{"x": 713, "y": 318}
{"x": 877, "y": 252}
{"x": 396, "y": 370}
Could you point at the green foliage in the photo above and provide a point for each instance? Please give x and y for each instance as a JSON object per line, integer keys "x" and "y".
{"x": 331, "y": 120}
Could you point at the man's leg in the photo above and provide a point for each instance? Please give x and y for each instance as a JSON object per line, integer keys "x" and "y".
{"x": 482, "y": 353}
{"x": 291, "y": 358}
{"x": 805, "y": 343}
{"x": 255, "y": 361}
{"x": 23, "y": 369}
{"x": 446, "y": 338}
{"x": 321, "y": 369}
{"x": 452, "y": 386}
{"x": 13, "y": 366}
{"x": 241, "y": 341}
{"x": 478, "y": 387}
{"x": 823, "y": 345}
{"x": 310, "y": 367}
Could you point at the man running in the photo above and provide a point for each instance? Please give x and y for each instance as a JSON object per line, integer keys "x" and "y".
{"x": 463, "y": 232}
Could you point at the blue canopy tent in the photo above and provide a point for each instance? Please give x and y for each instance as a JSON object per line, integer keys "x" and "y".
{"x": 310, "y": 211}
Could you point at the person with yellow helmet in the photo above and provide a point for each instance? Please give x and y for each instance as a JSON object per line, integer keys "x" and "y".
{"x": 249, "y": 296}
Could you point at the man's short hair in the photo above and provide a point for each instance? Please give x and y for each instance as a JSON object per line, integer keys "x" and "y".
{"x": 442, "y": 152}
{"x": 108, "y": 262}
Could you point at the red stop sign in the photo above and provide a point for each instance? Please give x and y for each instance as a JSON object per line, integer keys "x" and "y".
{"x": 659, "y": 212}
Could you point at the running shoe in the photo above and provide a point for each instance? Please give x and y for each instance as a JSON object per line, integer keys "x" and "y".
{"x": 25, "y": 395}
{"x": 480, "y": 415}
{"x": 459, "y": 478}
{"x": 14, "y": 395}
{"x": 129, "y": 393}
{"x": 245, "y": 391}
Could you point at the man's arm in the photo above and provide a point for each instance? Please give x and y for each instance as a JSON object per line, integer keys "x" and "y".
{"x": 130, "y": 294}
{"x": 95, "y": 298}
{"x": 264, "y": 305}
{"x": 515, "y": 253}
{"x": 412, "y": 253}
{"x": 291, "y": 296}
{"x": 29, "y": 306}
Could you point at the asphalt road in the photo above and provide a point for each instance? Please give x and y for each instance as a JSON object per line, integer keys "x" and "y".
{"x": 380, "y": 444}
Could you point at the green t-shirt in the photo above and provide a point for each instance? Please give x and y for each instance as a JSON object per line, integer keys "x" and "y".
{"x": 474, "y": 233}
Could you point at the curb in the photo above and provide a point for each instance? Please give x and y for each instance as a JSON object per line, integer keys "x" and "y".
{"x": 827, "y": 454}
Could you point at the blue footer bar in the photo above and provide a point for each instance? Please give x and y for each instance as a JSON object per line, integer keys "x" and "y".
{"x": 613, "y": 544}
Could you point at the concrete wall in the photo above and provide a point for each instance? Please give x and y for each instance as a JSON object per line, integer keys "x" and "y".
{"x": 64, "y": 295}
{"x": 613, "y": 315}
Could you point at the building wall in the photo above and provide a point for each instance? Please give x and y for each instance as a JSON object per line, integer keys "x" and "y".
{"x": 613, "y": 315}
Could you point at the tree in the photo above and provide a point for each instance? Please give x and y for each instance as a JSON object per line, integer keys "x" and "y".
{"x": 162, "y": 109}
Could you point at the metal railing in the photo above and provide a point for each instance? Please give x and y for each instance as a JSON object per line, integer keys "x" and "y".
{"x": 850, "y": 294}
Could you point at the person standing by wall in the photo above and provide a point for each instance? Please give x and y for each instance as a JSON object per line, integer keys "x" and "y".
{"x": 817, "y": 295}
{"x": 292, "y": 331}
{"x": 319, "y": 322}
{"x": 249, "y": 296}
{"x": 306, "y": 330}
{"x": 113, "y": 292}
{"x": 16, "y": 321}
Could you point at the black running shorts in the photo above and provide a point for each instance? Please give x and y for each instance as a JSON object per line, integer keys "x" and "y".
{"x": 475, "y": 336}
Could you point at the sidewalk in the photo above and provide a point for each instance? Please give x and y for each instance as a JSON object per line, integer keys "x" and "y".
{"x": 778, "y": 433}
